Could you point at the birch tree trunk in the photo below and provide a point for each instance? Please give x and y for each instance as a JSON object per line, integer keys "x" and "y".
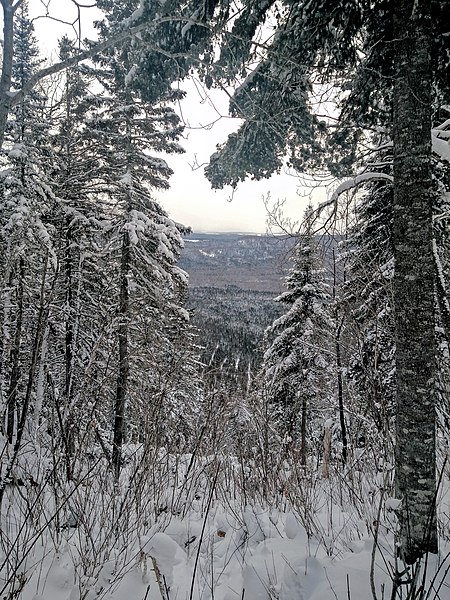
{"x": 413, "y": 284}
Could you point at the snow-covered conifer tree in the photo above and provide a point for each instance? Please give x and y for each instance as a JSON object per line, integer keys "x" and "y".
{"x": 77, "y": 338}
{"x": 368, "y": 300}
{"x": 295, "y": 362}
{"x": 144, "y": 242}
{"x": 29, "y": 265}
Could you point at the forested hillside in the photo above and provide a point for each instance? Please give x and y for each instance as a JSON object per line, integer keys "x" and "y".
{"x": 233, "y": 280}
{"x": 251, "y": 262}
{"x": 220, "y": 416}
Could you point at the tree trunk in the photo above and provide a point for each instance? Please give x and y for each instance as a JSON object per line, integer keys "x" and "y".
{"x": 122, "y": 379}
{"x": 303, "y": 446}
{"x": 41, "y": 326}
{"x": 68, "y": 430}
{"x": 327, "y": 436}
{"x": 340, "y": 394}
{"x": 15, "y": 356}
{"x": 7, "y": 61}
{"x": 413, "y": 286}
{"x": 337, "y": 347}
{"x": 40, "y": 383}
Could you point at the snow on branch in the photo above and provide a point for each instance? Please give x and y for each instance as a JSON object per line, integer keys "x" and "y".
{"x": 440, "y": 140}
{"x": 120, "y": 36}
{"x": 442, "y": 289}
{"x": 352, "y": 183}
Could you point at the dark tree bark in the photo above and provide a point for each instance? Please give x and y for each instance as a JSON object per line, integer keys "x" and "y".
{"x": 340, "y": 393}
{"x": 7, "y": 62}
{"x": 69, "y": 426}
{"x": 15, "y": 356}
{"x": 413, "y": 286}
{"x": 303, "y": 442}
{"x": 340, "y": 387}
{"x": 122, "y": 379}
{"x": 41, "y": 324}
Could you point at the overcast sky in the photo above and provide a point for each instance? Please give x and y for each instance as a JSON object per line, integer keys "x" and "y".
{"x": 191, "y": 200}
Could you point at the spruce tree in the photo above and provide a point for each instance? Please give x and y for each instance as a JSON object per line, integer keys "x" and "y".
{"x": 144, "y": 242}
{"x": 74, "y": 373}
{"x": 297, "y": 358}
{"x": 27, "y": 240}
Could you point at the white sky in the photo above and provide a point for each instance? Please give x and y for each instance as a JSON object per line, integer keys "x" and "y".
{"x": 191, "y": 200}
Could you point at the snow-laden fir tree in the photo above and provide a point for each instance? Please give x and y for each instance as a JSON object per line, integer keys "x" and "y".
{"x": 152, "y": 327}
{"x": 367, "y": 298}
{"x": 29, "y": 265}
{"x": 75, "y": 340}
{"x": 295, "y": 363}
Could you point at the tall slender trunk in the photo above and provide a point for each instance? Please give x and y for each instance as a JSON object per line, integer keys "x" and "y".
{"x": 15, "y": 356}
{"x": 7, "y": 62}
{"x": 303, "y": 442}
{"x": 40, "y": 383}
{"x": 69, "y": 317}
{"x": 338, "y": 354}
{"x": 122, "y": 379}
{"x": 41, "y": 325}
{"x": 413, "y": 285}
{"x": 69, "y": 425}
{"x": 65, "y": 409}
{"x": 340, "y": 392}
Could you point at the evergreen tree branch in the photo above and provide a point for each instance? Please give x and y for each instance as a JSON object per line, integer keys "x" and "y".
{"x": 9, "y": 99}
{"x": 352, "y": 183}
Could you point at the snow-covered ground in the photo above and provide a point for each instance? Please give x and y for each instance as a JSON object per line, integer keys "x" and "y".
{"x": 183, "y": 527}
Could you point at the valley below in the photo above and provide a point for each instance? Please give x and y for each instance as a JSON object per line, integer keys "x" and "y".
{"x": 233, "y": 280}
